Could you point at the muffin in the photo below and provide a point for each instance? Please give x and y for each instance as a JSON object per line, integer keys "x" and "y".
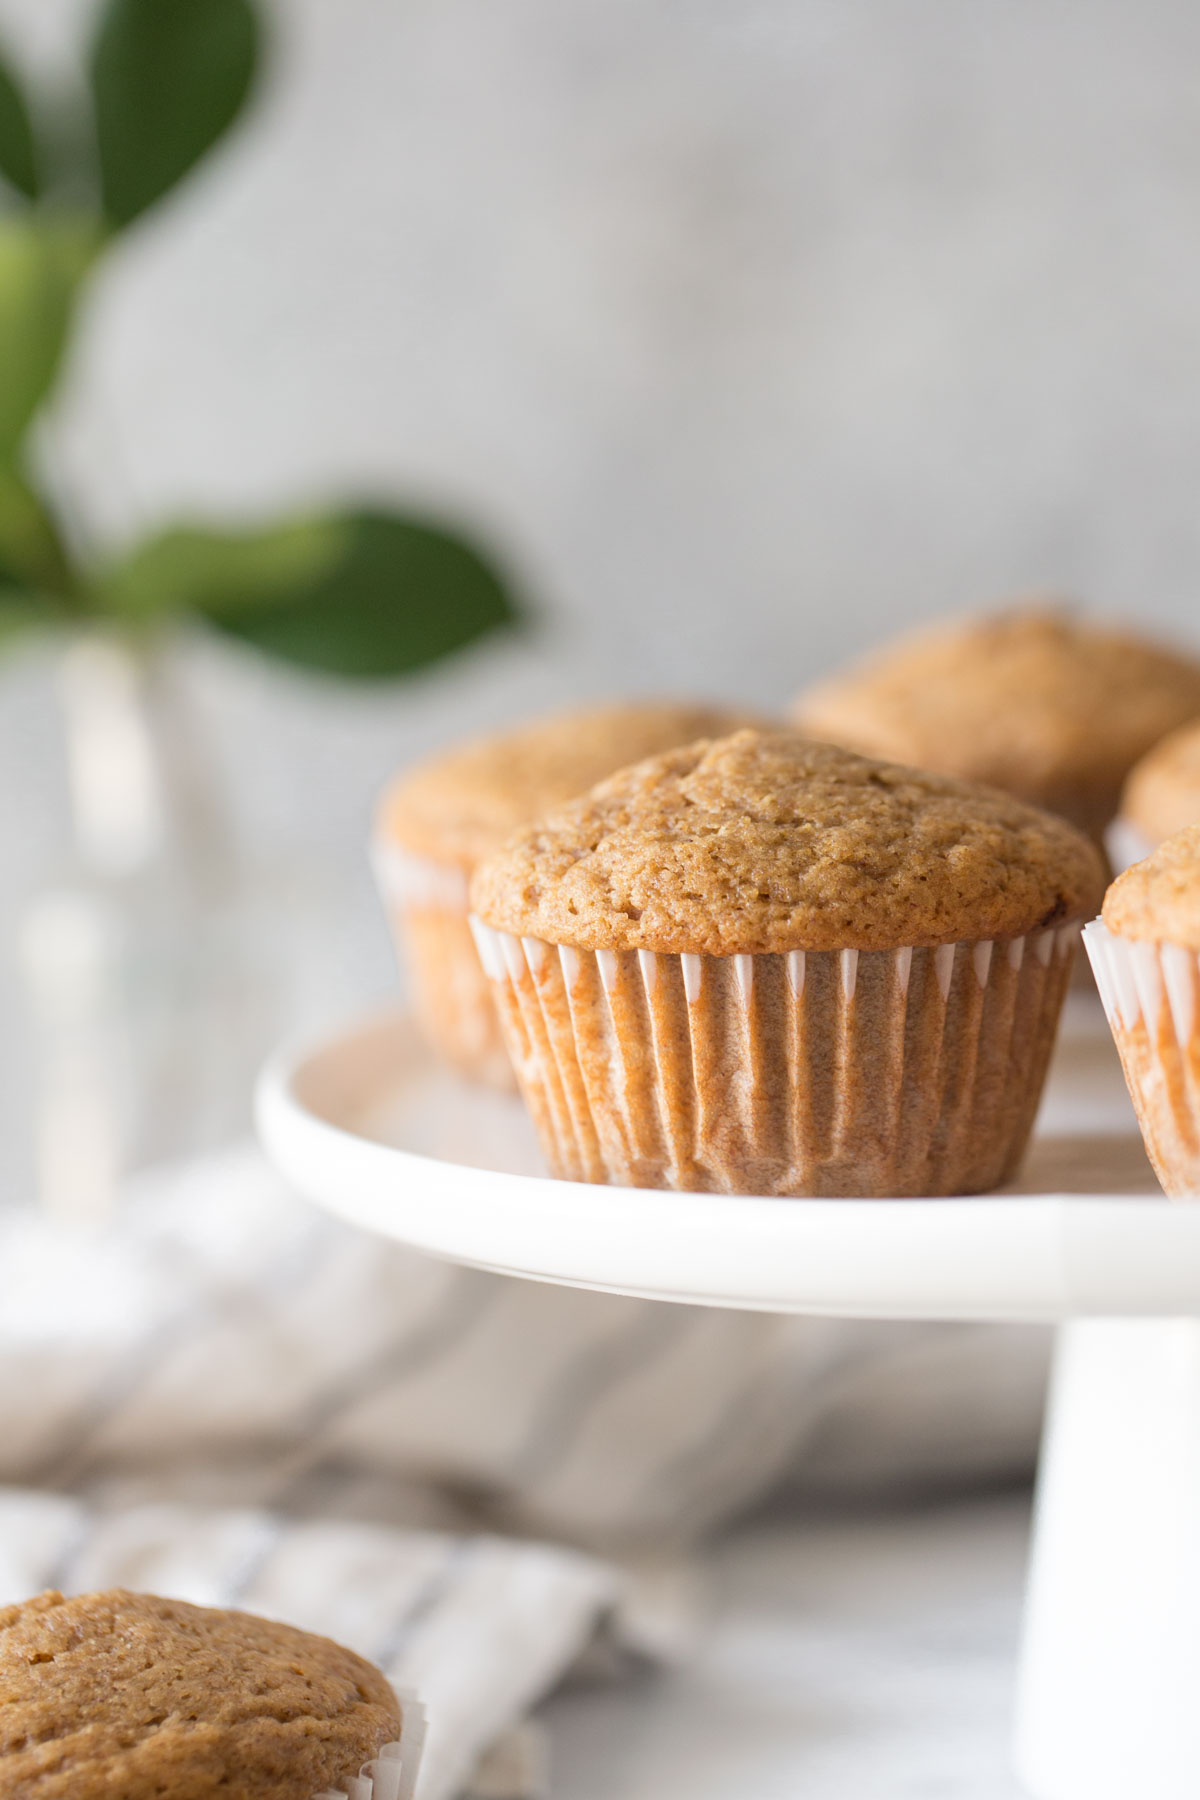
{"x": 1146, "y": 954}
{"x": 437, "y": 821}
{"x": 762, "y": 965}
{"x": 130, "y": 1697}
{"x": 1049, "y": 707}
{"x": 1162, "y": 795}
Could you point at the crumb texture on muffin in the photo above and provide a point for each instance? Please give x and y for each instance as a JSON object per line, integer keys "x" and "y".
{"x": 460, "y": 806}
{"x": 1162, "y": 795}
{"x": 1158, "y": 901}
{"x": 1050, "y": 707}
{"x": 764, "y": 842}
{"x": 129, "y": 1697}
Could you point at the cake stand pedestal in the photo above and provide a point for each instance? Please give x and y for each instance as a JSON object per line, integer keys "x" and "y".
{"x": 1107, "y": 1703}
{"x": 1107, "y": 1693}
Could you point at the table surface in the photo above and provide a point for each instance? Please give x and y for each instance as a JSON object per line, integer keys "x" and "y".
{"x": 861, "y": 1659}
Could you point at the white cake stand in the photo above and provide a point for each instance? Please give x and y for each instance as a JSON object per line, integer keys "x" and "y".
{"x": 1109, "y": 1688}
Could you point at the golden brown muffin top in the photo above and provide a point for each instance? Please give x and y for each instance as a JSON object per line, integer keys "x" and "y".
{"x": 1159, "y": 899}
{"x": 460, "y": 806}
{"x": 129, "y": 1697}
{"x": 1050, "y": 707}
{"x": 767, "y": 842}
{"x": 1162, "y": 795}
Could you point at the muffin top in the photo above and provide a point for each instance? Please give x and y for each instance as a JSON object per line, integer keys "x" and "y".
{"x": 1047, "y": 706}
{"x": 1159, "y": 899}
{"x": 1162, "y": 795}
{"x": 126, "y": 1695}
{"x": 766, "y": 842}
{"x": 462, "y": 805}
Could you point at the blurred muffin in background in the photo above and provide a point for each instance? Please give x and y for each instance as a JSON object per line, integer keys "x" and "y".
{"x": 438, "y": 820}
{"x": 1162, "y": 795}
{"x": 1145, "y": 951}
{"x": 1048, "y": 706}
{"x": 768, "y": 966}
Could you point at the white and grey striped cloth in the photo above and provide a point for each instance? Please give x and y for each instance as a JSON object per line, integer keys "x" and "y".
{"x": 228, "y": 1396}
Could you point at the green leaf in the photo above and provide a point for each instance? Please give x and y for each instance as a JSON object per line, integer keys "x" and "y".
{"x": 366, "y": 594}
{"x": 169, "y": 77}
{"x": 18, "y": 155}
{"x": 41, "y": 266}
{"x": 31, "y": 553}
{"x": 403, "y": 594}
{"x": 189, "y": 569}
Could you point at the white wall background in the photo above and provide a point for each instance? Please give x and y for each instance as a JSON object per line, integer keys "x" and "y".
{"x": 751, "y": 331}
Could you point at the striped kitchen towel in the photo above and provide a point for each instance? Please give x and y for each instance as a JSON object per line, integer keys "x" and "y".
{"x": 231, "y": 1344}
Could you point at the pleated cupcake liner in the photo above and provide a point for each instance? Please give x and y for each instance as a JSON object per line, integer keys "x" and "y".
{"x": 383, "y": 1778}
{"x": 426, "y": 906}
{"x": 392, "y": 1774}
{"x": 875, "y": 1073}
{"x": 1151, "y": 995}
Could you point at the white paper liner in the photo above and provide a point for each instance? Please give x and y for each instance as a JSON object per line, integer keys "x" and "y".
{"x": 426, "y": 904}
{"x": 915, "y": 1070}
{"x": 1151, "y": 996}
{"x": 1137, "y": 978}
{"x": 392, "y": 1775}
{"x": 418, "y": 881}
